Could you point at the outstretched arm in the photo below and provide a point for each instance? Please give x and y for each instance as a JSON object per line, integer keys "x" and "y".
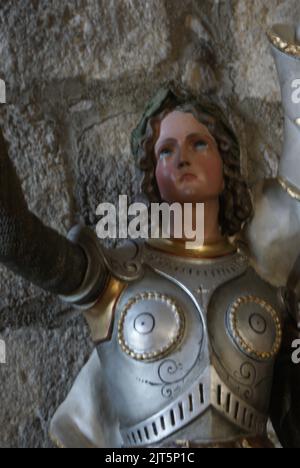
{"x": 274, "y": 233}
{"x": 34, "y": 251}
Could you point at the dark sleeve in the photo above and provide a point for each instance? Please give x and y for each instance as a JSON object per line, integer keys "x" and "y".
{"x": 27, "y": 246}
{"x": 285, "y": 401}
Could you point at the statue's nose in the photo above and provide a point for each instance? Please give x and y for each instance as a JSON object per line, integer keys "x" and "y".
{"x": 183, "y": 158}
{"x": 183, "y": 164}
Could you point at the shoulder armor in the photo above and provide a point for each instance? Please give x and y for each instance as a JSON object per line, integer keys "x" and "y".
{"x": 124, "y": 265}
{"x": 126, "y": 262}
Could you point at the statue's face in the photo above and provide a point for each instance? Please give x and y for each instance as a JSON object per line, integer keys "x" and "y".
{"x": 189, "y": 166}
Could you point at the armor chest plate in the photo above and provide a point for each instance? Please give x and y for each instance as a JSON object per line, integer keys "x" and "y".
{"x": 187, "y": 336}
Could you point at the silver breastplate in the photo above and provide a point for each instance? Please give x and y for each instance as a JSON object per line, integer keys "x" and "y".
{"x": 192, "y": 350}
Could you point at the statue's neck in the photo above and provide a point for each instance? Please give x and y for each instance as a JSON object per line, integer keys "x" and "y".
{"x": 212, "y": 233}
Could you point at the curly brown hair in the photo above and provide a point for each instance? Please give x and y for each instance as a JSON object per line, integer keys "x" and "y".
{"x": 235, "y": 201}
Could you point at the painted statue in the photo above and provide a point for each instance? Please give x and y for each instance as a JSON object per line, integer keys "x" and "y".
{"x": 192, "y": 346}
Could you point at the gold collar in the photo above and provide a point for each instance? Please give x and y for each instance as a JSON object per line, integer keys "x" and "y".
{"x": 178, "y": 247}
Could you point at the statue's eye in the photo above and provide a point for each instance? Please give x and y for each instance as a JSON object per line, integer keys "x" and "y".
{"x": 165, "y": 152}
{"x": 200, "y": 145}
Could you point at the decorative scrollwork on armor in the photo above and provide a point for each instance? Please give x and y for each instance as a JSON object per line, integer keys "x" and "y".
{"x": 167, "y": 390}
{"x": 242, "y": 380}
{"x": 172, "y": 374}
{"x": 246, "y": 376}
{"x": 167, "y": 371}
{"x": 255, "y": 327}
{"x": 125, "y": 263}
{"x": 150, "y": 326}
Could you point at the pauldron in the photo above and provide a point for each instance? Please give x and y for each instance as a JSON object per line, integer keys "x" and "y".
{"x": 123, "y": 264}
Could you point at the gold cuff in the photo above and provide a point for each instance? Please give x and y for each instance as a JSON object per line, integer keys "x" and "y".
{"x": 281, "y": 44}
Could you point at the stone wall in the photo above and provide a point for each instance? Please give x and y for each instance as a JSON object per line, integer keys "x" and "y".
{"x": 78, "y": 74}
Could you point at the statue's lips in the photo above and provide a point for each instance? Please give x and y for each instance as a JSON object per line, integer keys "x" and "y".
{"x": 188, "y": 178}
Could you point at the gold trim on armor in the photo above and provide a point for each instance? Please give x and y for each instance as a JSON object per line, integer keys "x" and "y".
{"x": 263, "y": 355}
{"x": 56, "y": 441}
{"x": 99, "y": 318}
{"x": 164, "y": 350}
{"x": 179, "y": 247}
{"x": 289, "y": 188}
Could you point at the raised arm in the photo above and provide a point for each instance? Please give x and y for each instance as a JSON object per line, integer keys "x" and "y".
{"x": 274, "y": 233}
{"x": 72, "y": 269}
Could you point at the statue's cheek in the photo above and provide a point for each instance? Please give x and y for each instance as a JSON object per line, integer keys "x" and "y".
{"x": 165, "y": 176}
{"x": 210, "y": 171}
